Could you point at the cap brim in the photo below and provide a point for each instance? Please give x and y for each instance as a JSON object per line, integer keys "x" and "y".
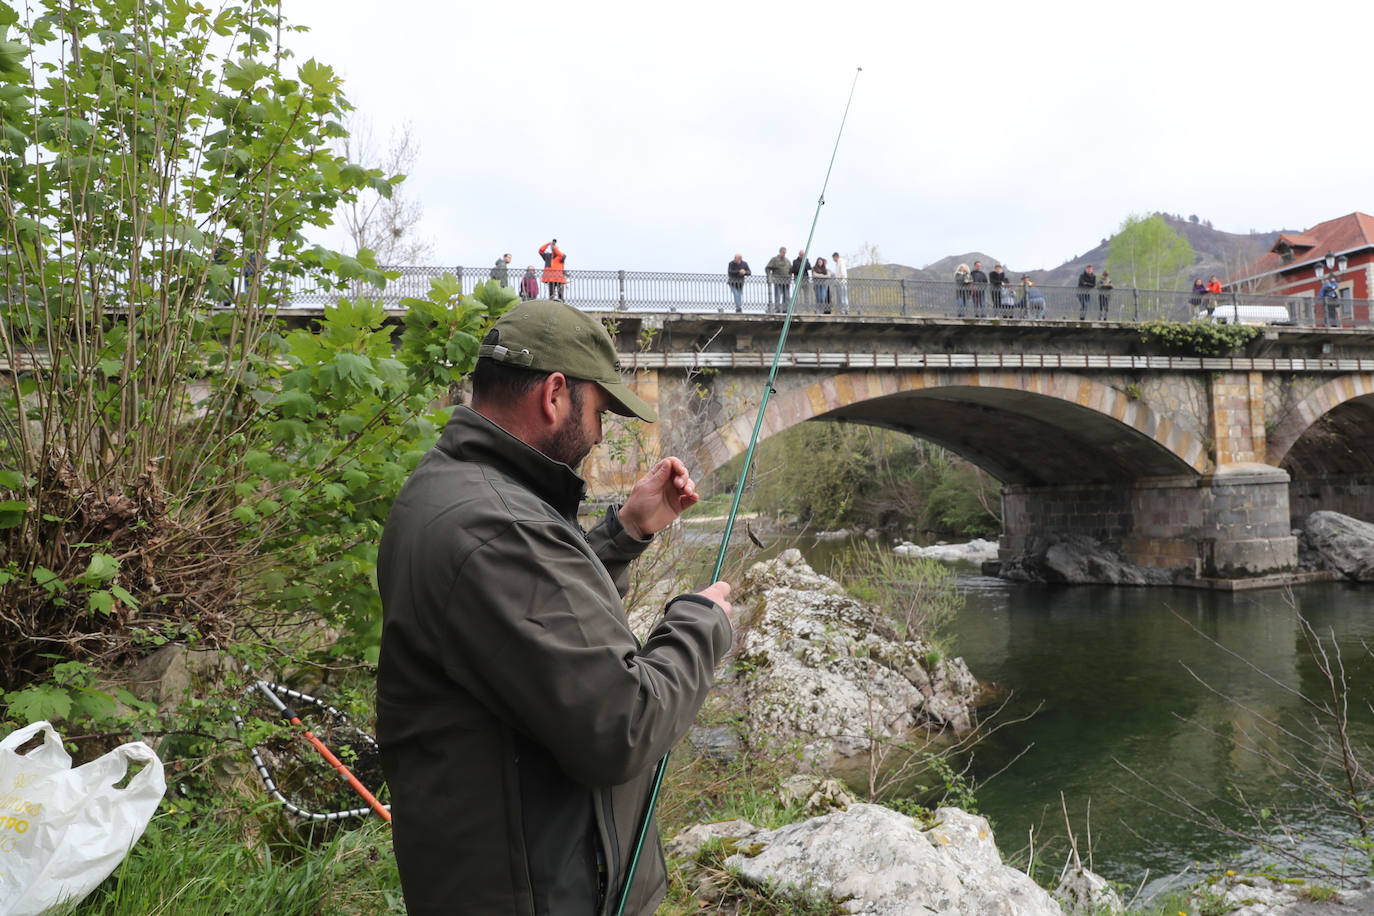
{"x": 628, "y": 404}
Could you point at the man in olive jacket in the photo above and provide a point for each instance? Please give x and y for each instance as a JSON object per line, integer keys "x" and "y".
{"x": 520, "y": 720}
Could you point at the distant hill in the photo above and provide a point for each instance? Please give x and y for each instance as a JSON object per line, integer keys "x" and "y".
{"x": 1216, "y": 252}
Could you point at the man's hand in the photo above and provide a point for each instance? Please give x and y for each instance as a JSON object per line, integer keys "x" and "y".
{"x": 718, "y": 592}
{"x": 658, "y": 498}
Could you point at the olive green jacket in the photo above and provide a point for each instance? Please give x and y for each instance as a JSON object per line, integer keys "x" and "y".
{"x": 520, "y": 720}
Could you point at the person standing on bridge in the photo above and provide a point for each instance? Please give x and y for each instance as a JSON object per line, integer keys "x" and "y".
{"x": 735, "y": 272}
{"x": 779, "y": 273}
{"x": 821, "y": 278}
{"x": 1086, "y": 281}
{"x": 529, "y": 284}
{"x": 962, "y": 284}
{"x": 501, "y": 272}
{"x": 979, "y": 282}
{"x": 839, "y": 269}
{"x": 996, "y": 281}
{"x": 801, "y": 272}
{"x": 1104, "y": 294}
{"x": 520, "y": 720}
{"x": 1330, "y": 298}
{"x": 554, "y": 278}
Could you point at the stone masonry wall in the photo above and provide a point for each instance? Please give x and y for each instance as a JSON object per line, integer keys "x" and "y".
{"x": 1349, "y": 494}
{"x": 1232, "y": 524}
{"x": 1030, "y": 513}
{"x": 1238, "y": 417}
{"x": 1245, "y": 522}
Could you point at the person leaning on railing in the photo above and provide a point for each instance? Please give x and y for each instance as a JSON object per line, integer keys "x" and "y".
{"x": 821, "y": 279}
{"x": 1086, "y": 281}
{"x": 1104, "y": 295}
{"x": 1329, "y": 296}
{"x": 963, "y": 283}
{"x": 996, "y": 281}
{"x": 736, "y": 271}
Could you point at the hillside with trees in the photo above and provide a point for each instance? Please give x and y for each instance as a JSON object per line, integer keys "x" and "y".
{"x": 1215, "y": 251}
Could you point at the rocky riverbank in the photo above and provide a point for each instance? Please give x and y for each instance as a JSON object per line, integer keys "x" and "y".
{"x": 1328, "y": 543}
{"x": 815, "y": 669}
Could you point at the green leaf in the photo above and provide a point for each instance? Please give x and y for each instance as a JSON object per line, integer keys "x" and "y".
{"x": 38, "y": 703}
{"x": 244, "y": 75}
{"x": 102, "y": 568}
{"x": 88, "y": 703}
{"x": 295, "y": 404}
{"x": 12, "y": 512}
{"x": 318, "y": 77}
{"x": 11, "y": 480}
{"x": 289, "y": 431}
{"x": 353, "y": 175}
{"x": 47, "y": 579}
{"x": 350, "y": 268}
{"x": 100, "y": 602}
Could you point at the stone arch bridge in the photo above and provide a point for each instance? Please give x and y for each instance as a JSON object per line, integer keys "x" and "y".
{"x": 1177, "y": 461}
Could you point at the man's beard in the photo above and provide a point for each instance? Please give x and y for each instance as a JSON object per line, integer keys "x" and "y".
{"x": 570, "y": 442}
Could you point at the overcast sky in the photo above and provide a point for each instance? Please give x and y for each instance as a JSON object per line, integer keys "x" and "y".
{"x": 651, "y": 136}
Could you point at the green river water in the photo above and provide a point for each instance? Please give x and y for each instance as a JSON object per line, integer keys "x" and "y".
{"x": 1129, "y": 690}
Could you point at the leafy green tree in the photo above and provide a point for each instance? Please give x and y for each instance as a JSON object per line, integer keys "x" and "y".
{"x": 172, "y": 463}
{"x": 1146, "y": 254}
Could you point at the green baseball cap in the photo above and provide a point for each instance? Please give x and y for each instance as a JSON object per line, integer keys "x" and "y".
{"x": 552, "y": 336}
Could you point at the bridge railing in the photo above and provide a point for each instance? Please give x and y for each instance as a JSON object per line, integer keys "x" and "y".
{"x": 649, "y": 291}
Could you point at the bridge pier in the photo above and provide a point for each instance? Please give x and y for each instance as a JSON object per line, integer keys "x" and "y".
{"x": 1232, "y": 523}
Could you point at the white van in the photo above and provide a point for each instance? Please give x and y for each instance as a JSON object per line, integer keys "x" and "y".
{"x": 1249, "y": 314}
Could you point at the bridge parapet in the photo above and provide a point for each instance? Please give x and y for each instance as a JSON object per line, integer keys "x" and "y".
{"x": 691, "y": 293}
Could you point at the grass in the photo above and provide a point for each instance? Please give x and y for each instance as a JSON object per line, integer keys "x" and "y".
{"x": 207, "y": 868}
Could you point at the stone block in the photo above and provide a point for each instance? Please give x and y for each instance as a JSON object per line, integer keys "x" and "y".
{"x": 1242, "y": 558}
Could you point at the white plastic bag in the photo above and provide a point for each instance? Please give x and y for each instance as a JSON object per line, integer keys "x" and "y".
{"x": 63, "y": 830}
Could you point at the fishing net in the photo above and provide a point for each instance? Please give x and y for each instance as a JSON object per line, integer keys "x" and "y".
{"x": 295, "y": 772}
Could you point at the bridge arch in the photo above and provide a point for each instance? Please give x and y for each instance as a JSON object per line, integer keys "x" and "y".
{"x": 1023, "y": 427}
{"x": 1331, "y": 431}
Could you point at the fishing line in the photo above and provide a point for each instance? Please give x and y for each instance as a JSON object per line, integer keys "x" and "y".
{"x": 768, "y": 390}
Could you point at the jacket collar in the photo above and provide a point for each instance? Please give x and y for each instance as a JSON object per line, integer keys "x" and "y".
{"x": 469, "y": 436}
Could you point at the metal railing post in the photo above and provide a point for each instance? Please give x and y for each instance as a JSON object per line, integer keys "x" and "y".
{"x": 1135, "y": 302}
{"x": 620, "y": 278}
{"x": 903, "y": 282}
{"x": 458, "y": 273}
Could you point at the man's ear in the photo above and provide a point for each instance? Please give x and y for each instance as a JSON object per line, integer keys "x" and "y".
{"x": 554, "y": 397}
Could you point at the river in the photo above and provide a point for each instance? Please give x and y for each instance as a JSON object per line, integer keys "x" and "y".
{"x": 1123, "y": 691}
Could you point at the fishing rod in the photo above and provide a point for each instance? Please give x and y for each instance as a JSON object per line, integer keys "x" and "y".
{"x": 768, "y": 390}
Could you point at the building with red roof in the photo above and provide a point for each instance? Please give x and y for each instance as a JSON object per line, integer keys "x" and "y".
{"x": 1300, "y": 261}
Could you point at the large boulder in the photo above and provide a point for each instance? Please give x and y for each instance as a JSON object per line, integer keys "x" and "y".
{"x": 823, "y": 670}
{"x": 1078, "y": 559}
{"x": 977, "y": 550}
{"x": 1343, "y": 543}
{"x": 883, "y": 863}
